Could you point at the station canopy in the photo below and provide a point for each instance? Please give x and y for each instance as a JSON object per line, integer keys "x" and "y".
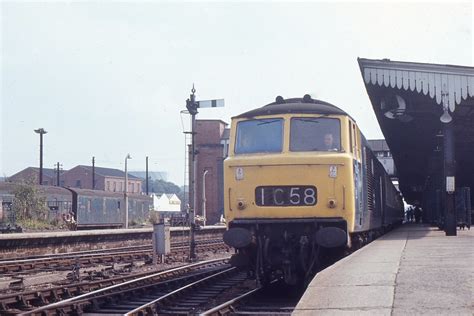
{"x": 410, "y": 101}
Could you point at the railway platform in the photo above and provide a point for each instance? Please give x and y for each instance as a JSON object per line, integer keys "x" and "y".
{"x": 40, "y": 243}
{"x": 413, "y": 270}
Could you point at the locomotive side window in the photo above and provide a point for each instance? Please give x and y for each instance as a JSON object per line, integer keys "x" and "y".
{"x": 315, "y": 134}
{"x": 354, "y": 134}
{"x": 350, "y": 136}
{"x": 259, "y": 136}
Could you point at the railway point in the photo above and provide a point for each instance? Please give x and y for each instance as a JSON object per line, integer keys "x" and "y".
{"x": 413, "y": 270}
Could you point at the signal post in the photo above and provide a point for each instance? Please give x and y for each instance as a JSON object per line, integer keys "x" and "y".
{"x": 192, "y": 106}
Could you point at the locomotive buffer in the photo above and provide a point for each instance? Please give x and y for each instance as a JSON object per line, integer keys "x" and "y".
{"x": 192, "y": 105}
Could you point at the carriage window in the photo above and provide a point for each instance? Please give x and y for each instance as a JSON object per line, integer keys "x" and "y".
{"x": 315, "y": 134}
{"x": 259, "y": 136}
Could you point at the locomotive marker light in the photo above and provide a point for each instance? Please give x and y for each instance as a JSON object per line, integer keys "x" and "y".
{"x": 239, "y": 173}
{"x": 333, "y": 171}
{"x": 192, "y": 106}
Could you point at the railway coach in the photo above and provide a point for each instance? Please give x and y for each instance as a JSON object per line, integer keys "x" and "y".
{"x": 300, "y": 182}
{"x": 87, "y": 209}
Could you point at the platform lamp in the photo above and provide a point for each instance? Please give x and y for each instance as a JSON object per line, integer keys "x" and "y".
{"x": 41, "y": 132}
{"x": 126, "y": 191}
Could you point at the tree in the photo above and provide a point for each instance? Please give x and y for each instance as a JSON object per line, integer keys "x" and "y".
{"x": 161, "y": 186}
{"x": 28, "y": 202}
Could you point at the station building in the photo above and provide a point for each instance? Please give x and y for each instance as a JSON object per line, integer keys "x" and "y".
{"x": 106, "y": 179}
{"x": 382, "y": 152}
{"x": 31, "y": 175}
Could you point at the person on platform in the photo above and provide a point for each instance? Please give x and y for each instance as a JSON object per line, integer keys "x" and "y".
{"x": 410, "y": 214}
{"x": 417, "y": 214}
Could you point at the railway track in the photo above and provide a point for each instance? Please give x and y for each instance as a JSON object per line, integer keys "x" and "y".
{"x": 194, "y": 297}
{"x": 275, "y": 299}
{"x": 129, "y": 295}
{"x": 65, "y": 262}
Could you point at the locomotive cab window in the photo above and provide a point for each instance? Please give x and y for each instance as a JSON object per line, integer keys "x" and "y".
{"x": 259, "y": 136}
{"x": 315, "y": 134}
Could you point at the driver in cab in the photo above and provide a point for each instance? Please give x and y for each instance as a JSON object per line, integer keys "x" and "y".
{"x": 329, "y": 143}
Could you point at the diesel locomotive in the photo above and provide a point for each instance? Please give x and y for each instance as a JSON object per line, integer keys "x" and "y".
{"x": 301, "y": 181}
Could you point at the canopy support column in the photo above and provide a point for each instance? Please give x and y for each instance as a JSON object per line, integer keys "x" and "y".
{"x": 449, "y": 179}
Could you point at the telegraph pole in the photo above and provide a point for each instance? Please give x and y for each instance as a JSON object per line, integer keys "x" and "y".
{"x": 58, "y": 165}
{"x": 146, "y": 175}
{"x": 93, "y": 173}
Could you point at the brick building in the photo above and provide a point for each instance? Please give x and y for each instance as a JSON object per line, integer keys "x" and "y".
{"x": 31, "y": 174}
{"x": 211, "y": 145}
{"x": 107, "y": 179}
{"x": 381, "y": 150}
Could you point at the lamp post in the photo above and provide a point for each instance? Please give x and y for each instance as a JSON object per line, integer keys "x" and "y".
{"x": 126, "y": 191}
{"x": 204, "y": 195}
{"x": 449, "y": 169}
{"x": 41, "y": 131}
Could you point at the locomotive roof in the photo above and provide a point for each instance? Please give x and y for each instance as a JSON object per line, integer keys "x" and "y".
{"x": 305, "y": 105}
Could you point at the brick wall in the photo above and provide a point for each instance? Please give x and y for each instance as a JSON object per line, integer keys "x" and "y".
{"x": 114, "y": 184}
{"x": 111, "y": 184}
{"x": 210, "y": 156}
{"x": 79, "y": 177}
{"x": 209, "y": 131}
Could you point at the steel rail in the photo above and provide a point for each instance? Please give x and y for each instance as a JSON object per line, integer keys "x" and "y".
{"x": 98, "y": 251}
{"x": 69, "y": 254}
{"x": 43, "y": 295}
{"x": 16, "y": 267}
{"x": 91, "y": 295}
{"x": 227, "y": 306}
{"x": 142, "y": 310}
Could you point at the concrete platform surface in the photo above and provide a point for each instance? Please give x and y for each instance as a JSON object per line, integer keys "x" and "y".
{"x": 413, "y": 270}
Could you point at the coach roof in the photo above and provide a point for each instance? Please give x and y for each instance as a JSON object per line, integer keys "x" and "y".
{"x": 304, "y": 105}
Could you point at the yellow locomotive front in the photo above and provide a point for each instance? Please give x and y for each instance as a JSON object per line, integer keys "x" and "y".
{"x": 289, "y": 187}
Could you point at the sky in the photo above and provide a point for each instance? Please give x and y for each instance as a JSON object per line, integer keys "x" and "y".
{"x": 108, "y": 78}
